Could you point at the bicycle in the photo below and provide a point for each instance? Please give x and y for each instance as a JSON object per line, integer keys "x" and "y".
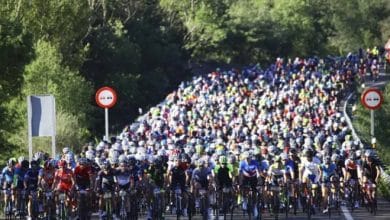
{"x": 83, "y": 204}
{"x": 178, "y": 202}
{"x": 21, "y": 208}
{"x": 107, "y": 196}
{"x": 157, "y": 204}
{"x": 123, "y": 205}
{"x": 134, "y": 206}
{"x": 8, "y": 207}
{"x": 227, "y": 202}
{"x": 371, "y": 201}
{"x": 49, "y": 205}
{"x": 252, "y": 206}
{"x": 204, "y": 203}
{"x": 34, "y": 204}
{"x": 309, "y": 200}
{"x": 63, "y": 210}
{"x": 275, "y": 202}
{"x": 351, "y": 192}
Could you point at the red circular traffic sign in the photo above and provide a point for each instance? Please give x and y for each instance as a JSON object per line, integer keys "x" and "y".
{"x": 106, "y": 97}
{"x": 372, "y": 98}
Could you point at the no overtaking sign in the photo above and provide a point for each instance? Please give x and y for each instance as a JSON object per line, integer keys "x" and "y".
{"x": 372, "y": 98}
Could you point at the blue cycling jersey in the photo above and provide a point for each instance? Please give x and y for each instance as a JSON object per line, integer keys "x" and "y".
{"x": 328, "y": 171}
{"x": 289, "y": 166}
{"x": 31, "y": 178}
{"x": 8, "y": 175}
{"x": 249, "y": 169}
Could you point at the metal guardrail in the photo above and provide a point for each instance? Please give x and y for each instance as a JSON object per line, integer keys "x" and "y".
{"x": 384, "y": 175}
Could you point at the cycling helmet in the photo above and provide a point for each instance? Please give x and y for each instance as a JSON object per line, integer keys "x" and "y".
{"x": 309, "y": 153}
{"x": 223, "y": 159}
{"x": 65, "y": 150}
{"x": 49, "y": 164}
{"x": 25, "y": 164}
{"x": 232, "y": 159}
{"x": 335, "y": 157}
{"x": 122, "y": 158}
{"x": 245, "y": 155}
{"x": 38, "y": 156}
{"x": 11, "y": 162}
{"x": 284, "y": 156}
{"x": 34, "y": 164}
{"x": 90, "y": 155}
{"x": 83, "y": 161}
{"x": 200, "y": 162}
{"x": 327, "y": 160}
{"x": 21, "y": 159}
{"x": 106, "y": 164}
{"x": 277, "y": 158}
{"x": 62, "y": 163}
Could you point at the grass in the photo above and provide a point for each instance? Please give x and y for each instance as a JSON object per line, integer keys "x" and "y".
{"x": 361, "y": 122}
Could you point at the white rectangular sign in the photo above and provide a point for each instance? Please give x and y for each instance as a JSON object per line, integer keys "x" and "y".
{"x": 41, "y": 118}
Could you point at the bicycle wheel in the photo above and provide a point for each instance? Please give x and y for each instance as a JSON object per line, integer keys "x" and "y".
{"x": 276, "y": 205}
{"x": 308, "y": 207}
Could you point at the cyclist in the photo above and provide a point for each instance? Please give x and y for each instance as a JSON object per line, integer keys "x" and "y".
{"x": 156, "y": 179}
{"x": 106, "y": 183}
{"x": 82, "y": 175}
{"x": 223, "y": 173}
{"x": 328, "y": 170}
{"x": 64, "y": 182}
{"x": 371, "y": 173}
{"x": 177, "y": 177}
{"x": 45, "y": 181}
{"x": 20, "y": 171}
{"x": 310, "y": 173}
{"x": 123, "y": 176}
{"x": 8, "y": 178}
{"x": 31, "y": 185}
{"x": 276, "y": 176}
{"x": 350, "y": 172}
{"x": 249, "y": 172}
{"x": 201, "y": 178}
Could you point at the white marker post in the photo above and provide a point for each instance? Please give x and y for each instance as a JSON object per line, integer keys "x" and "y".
{"x": 372, "y": 99}
{"x": 106, "y": 98}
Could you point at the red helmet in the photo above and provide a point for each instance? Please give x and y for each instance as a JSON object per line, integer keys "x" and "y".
{"x": 61, "y": 163}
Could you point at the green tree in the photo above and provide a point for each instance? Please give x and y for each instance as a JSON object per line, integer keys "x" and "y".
{"x": 15, "y": 53}
{"x": 46, "y": 75}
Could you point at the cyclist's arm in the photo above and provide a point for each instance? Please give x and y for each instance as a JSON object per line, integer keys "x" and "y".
{"x": 378, "y": 173}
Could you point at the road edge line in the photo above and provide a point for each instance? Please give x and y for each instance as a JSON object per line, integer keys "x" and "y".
{"x": 346, "y": 213}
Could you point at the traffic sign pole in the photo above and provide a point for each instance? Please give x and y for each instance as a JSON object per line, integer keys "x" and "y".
{"x": 372, "y": 99}
{"x": 106, "y": 98}
{"x": 372, "y": 123}
{"x": 106, "y": 122}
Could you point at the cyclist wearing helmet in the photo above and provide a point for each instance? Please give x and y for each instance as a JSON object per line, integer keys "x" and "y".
{"x": 18, "y": 184}
{"x": 46, "y": 175}
{"x": 31, "y": 184}
{"x": 63, "y": 178}
{"x": 328, "y": 171}
{"x": 156, "y": 173}
{"x": 106, "y": 183}
{"x": 201, "y": 177}
{"x": 350, "y": 170}
{"x": 249, "y": 170}
{"x": 276, "y": 171}
{"x": 8, "y": 178}
{"x": 223, "y": 173}
{"x": 370, "y": 175}
{"x": 82, "y": 174}
{"x": 123, "y": 175}
{"x": 177, "y": 176}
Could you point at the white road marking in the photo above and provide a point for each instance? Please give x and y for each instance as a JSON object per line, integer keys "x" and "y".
{"x": 346, "y": 213}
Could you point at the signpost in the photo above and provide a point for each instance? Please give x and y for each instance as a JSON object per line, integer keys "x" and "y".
{"x": 372, "y": 99}
{"x": 106, "y": 98}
